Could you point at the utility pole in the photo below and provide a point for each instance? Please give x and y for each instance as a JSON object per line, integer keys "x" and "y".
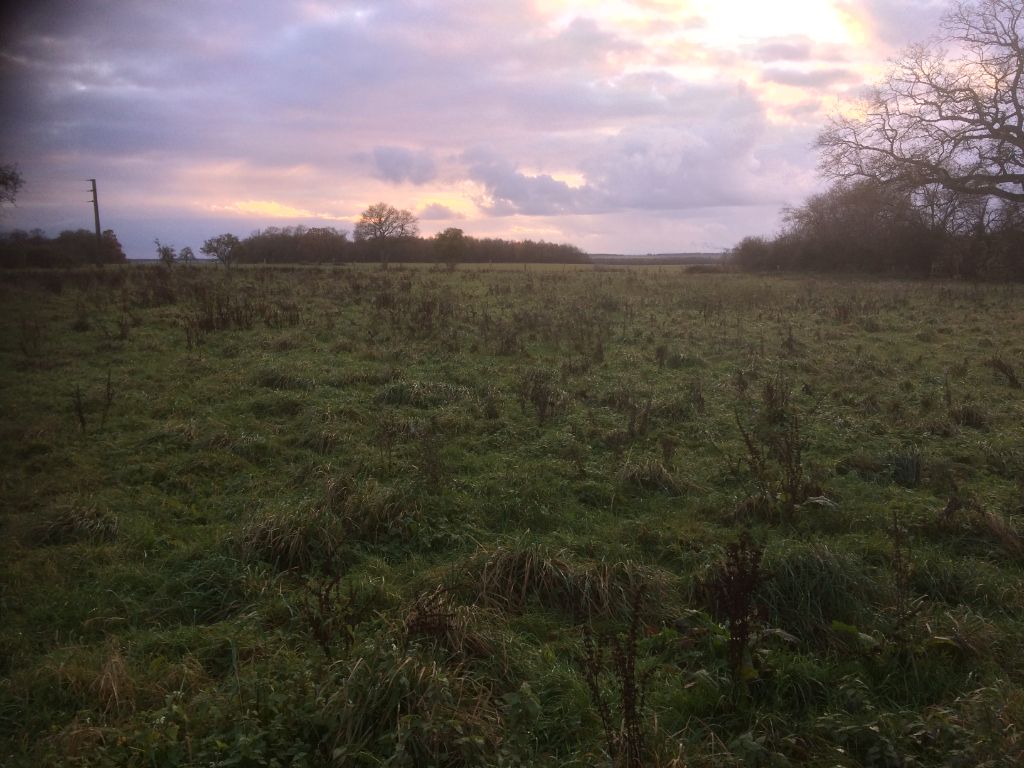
{"x": 96, "y": 214}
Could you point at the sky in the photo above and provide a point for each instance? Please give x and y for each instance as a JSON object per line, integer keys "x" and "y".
{"x": 621, "y": 126}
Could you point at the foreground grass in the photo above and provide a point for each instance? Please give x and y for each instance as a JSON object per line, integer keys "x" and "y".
{"x": 495, "y": 516}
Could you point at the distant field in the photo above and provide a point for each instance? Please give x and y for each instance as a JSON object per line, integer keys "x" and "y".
{"x": 561, "y": 515}
{"x": 656, "y": 258}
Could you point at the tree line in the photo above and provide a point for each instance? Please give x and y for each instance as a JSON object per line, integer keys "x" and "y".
{"x": 326, "y": 245}
{"x": 383, "y": 234}
{"x": 928, "y": 170}
{"x": 71, "y": 248}
{"x": 869, "y": 227}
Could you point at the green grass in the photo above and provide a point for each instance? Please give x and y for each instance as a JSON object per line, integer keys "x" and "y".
{"x": 353, "y": 516}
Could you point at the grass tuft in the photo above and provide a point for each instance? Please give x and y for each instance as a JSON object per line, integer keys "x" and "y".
{"x": 509, "y": 576}
{"x": 75, "y": 523}
{"x": 811, "y": 585}
{"x": 390, "y": 702}
{"x": 114, "y": 687}
{"x": 368, "y": 510}
{"x": 297, "y": 538}
{"x": 649, "y": 474}
{"x": 435, "y": 615}
{"x": 421, "y": 394}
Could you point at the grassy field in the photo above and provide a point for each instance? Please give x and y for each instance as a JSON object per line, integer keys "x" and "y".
{"x": 509, "y": 516}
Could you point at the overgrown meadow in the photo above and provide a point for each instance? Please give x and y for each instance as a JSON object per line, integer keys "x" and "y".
{"x": 509, "y": 516}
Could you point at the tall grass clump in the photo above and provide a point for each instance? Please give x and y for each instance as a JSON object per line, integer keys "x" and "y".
{"x": 511, "y": 575}
{"x": 811, "y": 585}
{"x": 296, "y": 538}
{"x": 391, "y": 707}
{"x": 436, "y": 616}
{"x": 368, "y": 510}
{"x": 74, "y": 523}
{"x": 538, "y": 390}
{"x": 649, "y": 474}
{"x": 421, "y": 394}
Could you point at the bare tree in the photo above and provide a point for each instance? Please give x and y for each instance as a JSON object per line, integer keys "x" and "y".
{"x": 950, "y": 113}
{"x": 11, "y": 182}
{"x": 224, "y": 248}
{"x": 381, "y": 221}
{"x": 166, "y": 253}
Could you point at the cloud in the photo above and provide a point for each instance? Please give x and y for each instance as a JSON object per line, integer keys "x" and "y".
{"x": 794, "y": 48}
{"x": 271, "y": 209}
{"x": 398, "y": 164}
{"x": 800, "y": 49}
{"x": 540, "y": 113}
{"x": 802, "y": 110}
{"x": 729, "y": 156}
{"x": 706, "y": 165}
{"x": 511, "y": 191}
{"x": 809, "y": 78}
{"x": 583, "y": 43}
{"x": 438, "y": 212}
{"x": 897, "y": 23}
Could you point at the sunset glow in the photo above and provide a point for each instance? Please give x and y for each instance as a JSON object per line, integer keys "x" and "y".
{"x": 270, "y": 209}
{"x": 580, "y": 119}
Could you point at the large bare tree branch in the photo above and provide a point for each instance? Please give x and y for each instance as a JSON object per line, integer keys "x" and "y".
{"x": 950, "y": 112}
